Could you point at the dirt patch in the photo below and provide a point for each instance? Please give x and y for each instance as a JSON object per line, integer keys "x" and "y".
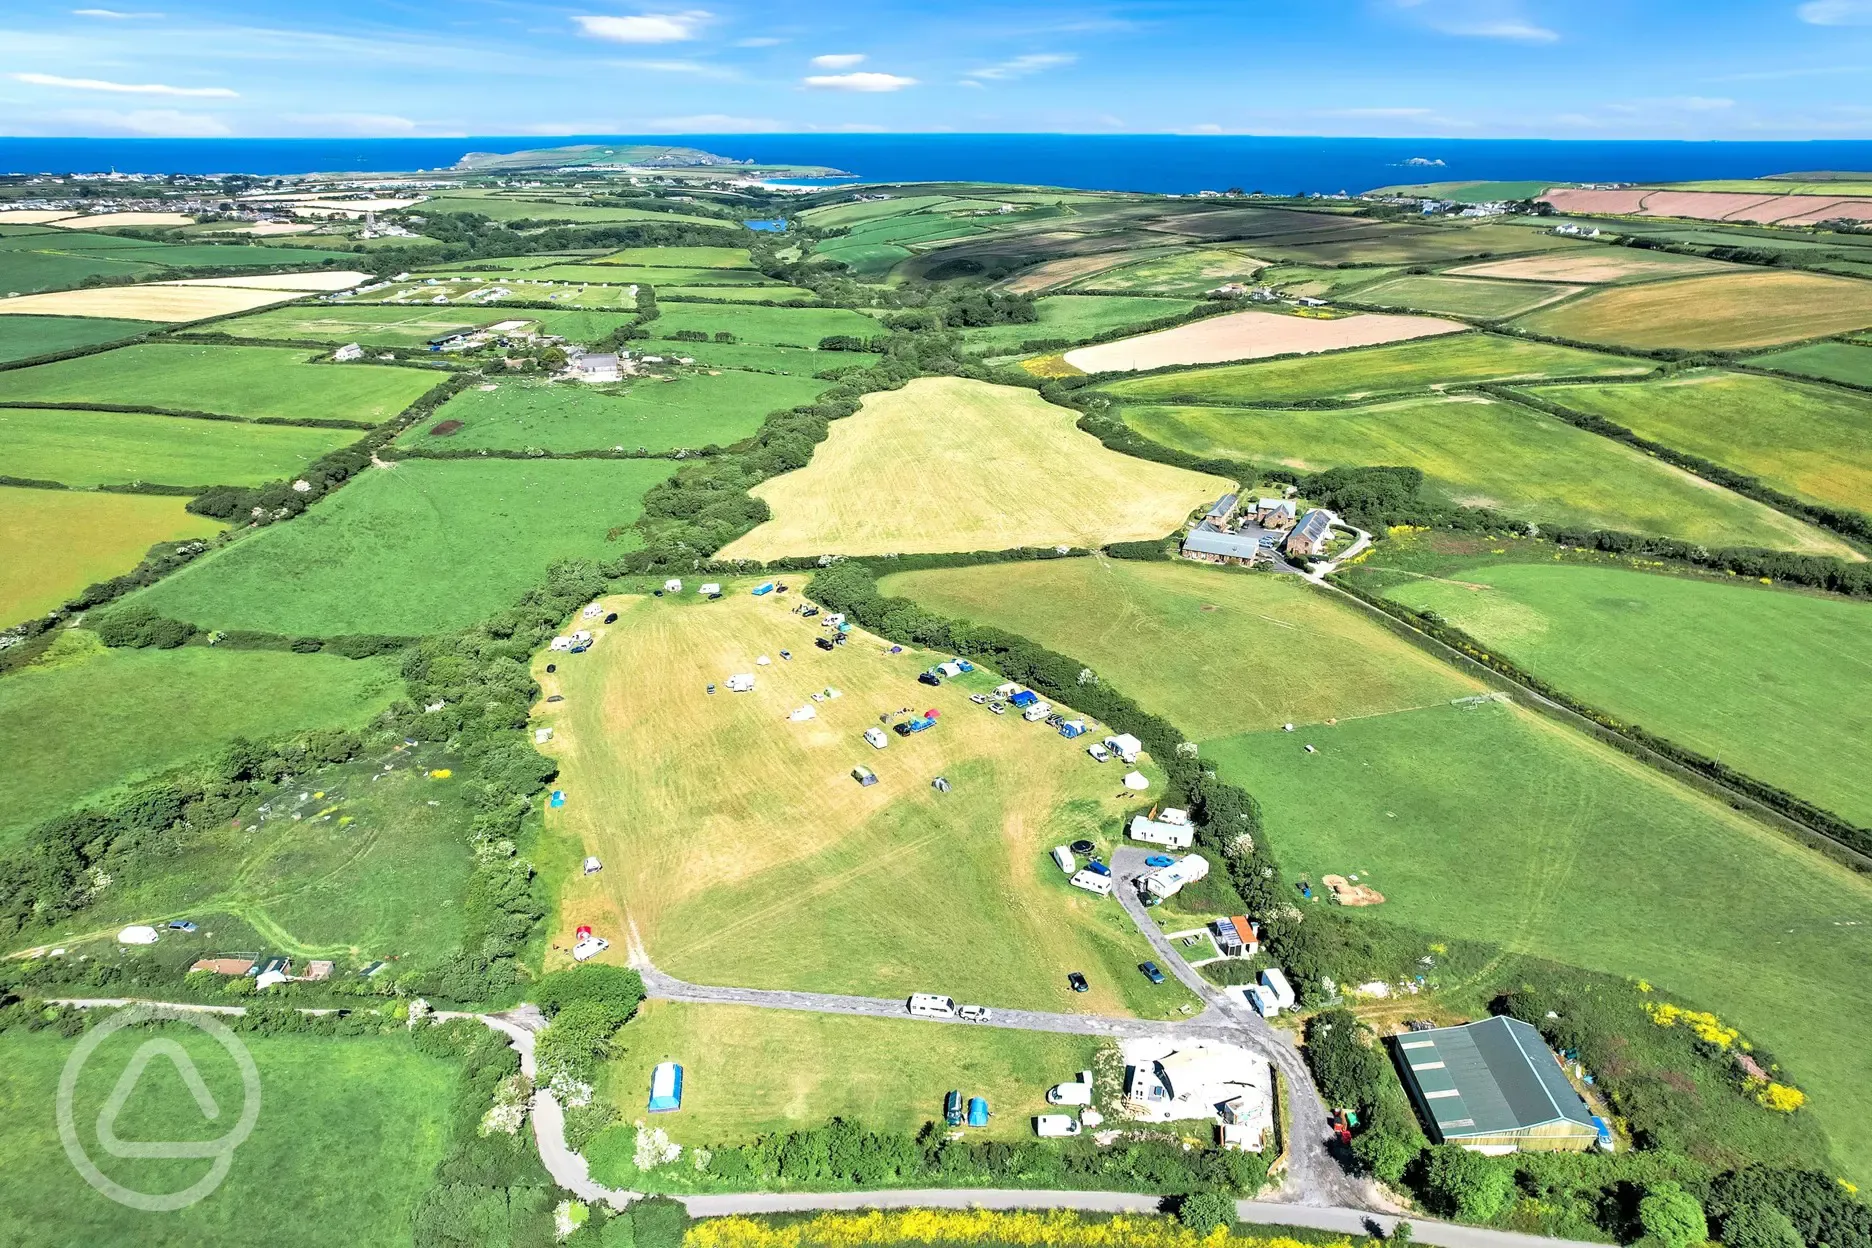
{"x": 1251, "y": 336}
{"x": 1347, "y": 893}
{"x": 445, "y": 428}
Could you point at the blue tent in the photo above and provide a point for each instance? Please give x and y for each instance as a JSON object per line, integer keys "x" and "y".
{"x": 978, "y": 1111}
{"x": 665, "y": 1088}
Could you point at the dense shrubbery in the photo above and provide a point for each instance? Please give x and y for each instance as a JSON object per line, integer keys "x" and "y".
{"x": 1352, "y": 1071}
{"x": 587, "y": 1005}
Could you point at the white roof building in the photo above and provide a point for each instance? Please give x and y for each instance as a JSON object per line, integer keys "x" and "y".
{"x": 1153, "y": 832}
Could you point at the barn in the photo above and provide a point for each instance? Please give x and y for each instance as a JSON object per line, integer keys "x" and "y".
{"x": 1493, "y": 1086}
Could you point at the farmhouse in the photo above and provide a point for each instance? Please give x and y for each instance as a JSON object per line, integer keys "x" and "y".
{"x": 1493, "y": 1087}
{"x": 1208, "y": 545}
{"x": 1219, "y": 514}
{"x": 345, "y": 354}
{"x": 1275, "y": 513}
{"x": 1167, "y": 1081}
{"x": 1311, "y": 534}
{"x": 596, "y": 368}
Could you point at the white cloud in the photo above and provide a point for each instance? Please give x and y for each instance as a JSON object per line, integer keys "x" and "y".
{"x": 646, "y": 27}
{"x": 160, "y": 123}
{"x": 838, "y": 60}
{"x": 1376, "y": 112}
{"x": 1836, "y": 12}
{"x": 1477, "y": 19}
{"x": 864, "y": 80}
{"x": 125, "y": 88}
{"x": 759, "y": 41}
{"x": 368, "y": 124}
{"x": 716, "y": 123}
{"x": 700, "y": 69}
{"x": 1521, "y": 32}
{"x": 112, "y": 14}
{"x": 1021, "y": 66}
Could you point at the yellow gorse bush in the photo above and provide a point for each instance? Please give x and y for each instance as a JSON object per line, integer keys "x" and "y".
{"x": 1781, "y": 1098}
{"x": 1707, "y": 1026}
{"x": 1053, "y": 1229}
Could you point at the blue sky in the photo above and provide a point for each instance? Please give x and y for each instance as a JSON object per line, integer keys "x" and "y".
{"x": 1739, "y": 69}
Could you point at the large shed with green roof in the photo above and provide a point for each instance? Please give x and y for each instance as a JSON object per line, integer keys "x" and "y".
{"x": 1493, "y": 1086}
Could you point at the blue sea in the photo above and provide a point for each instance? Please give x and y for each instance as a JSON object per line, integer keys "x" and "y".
{"x": 1159, "y": 163}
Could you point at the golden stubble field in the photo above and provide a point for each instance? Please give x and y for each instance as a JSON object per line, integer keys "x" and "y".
{"x": 740, "y": 847}
{"x": 1728, "y": 312}
{"x": 1253, "y": 336}
{"x": 146, "y": 303}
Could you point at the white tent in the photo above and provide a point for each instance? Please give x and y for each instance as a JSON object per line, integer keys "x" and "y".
{"x": 1136, "y": 782}
{"x": 805, "y": 712}
{"x": 137, "y": 934}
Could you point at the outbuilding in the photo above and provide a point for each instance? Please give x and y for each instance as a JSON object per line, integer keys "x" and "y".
{"x": 1493, "y": 1087}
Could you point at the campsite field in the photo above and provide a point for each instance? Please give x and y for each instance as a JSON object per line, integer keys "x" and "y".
{"x": 1463, "y": 296}
{"x": 1251, "y": 336}
{"x": 782, "y": 327}
{"x": 59, "y": 541}
{"x": 85, "y": 719}
{"x": 26, "y": 337}
{"x": 1847, "y": 362}
{"x": 1462, "y": 360}
{"x": 372, "y": 325}
{"x": 1811, "y": 441}
{"x": 1482, "y": 452}
{"x": 1494, "y": 824}
{"x": 681, "y": 257}
{"x": 423, "y": 547}
{"x": 949, "y": 464}
{"x": 116, "y": 448}
{"x": 1075, "y": 318}
{"x": 692, "y": 410}
{"x": 1728, "y": 312}
{"x": 889, "y": 1074}
{"x": 370, "y": 1108}
{"x": 739, "y": 845}
{"x": 1733, "y": 670}
{"x": 280, "y": 382}
{"x": 1170, "y": 634}
{"x": 1190, "y": 273}
{"x": 638, "y": 275}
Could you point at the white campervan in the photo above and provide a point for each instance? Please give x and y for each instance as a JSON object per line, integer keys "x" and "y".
{"x": 930, "y": 1005}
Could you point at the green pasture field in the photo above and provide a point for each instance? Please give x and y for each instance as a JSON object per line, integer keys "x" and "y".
{"x": 26, "y": 272}
{"x": 866, "y": 260}
{"x": 622, "y": 275}
{"x": 780, "y": 327}
{"x": 1189, "y": 273}
{"x": 1482, "y": 452}
{"x": 690, "y": 411}
{"x": 424, "y": 547}
{"x": 1823, "y": 361}
{"x": 1730, "y": 669}
{"x": 681, "y": 257}
{"x": 1463, "y": 296}
{"x": 235, "y": 381}
{"x": 579, "y": 325}
{"x": 1415, "y": 244}
{"x": 24, "y": 337}
{"x": 85, "y": 719}
{"x": 506, "y": 264}
{"x": 910, "y": 231}
{"x": 1076, "y": 318}
{"x": 504, "y": 208}
{"x": 1494, "y": 824}
{"x": 116, "y": 448}
{"x": 890, "y": 1074}
{"x": 240, "y": 255}
{"x": 839, "y": 216}
{"x": 1808, "y": 440}
{"x": 1469, "y": 192}
{"x": 347, "y": 1140}
{"x": 738, "y": 294}
{"x": 1171, "y": 634}
{"x": 371, "y": 325}
{"x": 790, "y": 874}
{"x": 588, "y": 296}
{"x": 1459, "y": 359}
{"x": 1726, "y": 312}
{"x": 59, "y": 541}
{"x": 793, "y": 361}
{"x": 1321, "y": 283}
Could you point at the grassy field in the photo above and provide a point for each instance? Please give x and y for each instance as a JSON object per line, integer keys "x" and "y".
{"x": 737, "y": 294}
{"x": 780, "y": 327}
{"x": 1320, "y": 283}
{"x": 1481, "y": 452}
{"x": 1824, "y": 361}
{"x": 682, "y": 257}
{"x": 1731, "y": 312}
{"x": 692, "y": 410}
{"x": 1493, "y": 824}
{"x": 423, "y": 547}
{"x": 1595, "y": 265}
{"x": 1433, "y": 244}
{"x": 787, "y": 873}
{"x": 1732, "y": 670}
{"x": 508, "y": 208}
{"x": 116, "y": 448}
{"x": 373, "y": 325}
{"x": 1188, "y": 273}
{"x": 1459, "y": 360}
{"x": 637, "y": 275}
{"x": 369, "y": 1109}
{"x": 792, "y": 361}
{"x": 86, "y": 719}
{"x": 1075, "y": 318}
{"x": 1463, "y": 296}
{"x": 58, "y": 541}
{"x": 30, "y": 272}
{"x": 1170, "y": 634}
{"x": 948, "y": 464}
{"x": 1811, "y": 441}
{"x": 24, "y": 337}
{"x": 889, "y": 1074}
{"x": 233, "y": 381}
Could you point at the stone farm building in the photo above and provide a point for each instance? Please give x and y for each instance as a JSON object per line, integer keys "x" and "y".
{"x": 1493, "y": 1086}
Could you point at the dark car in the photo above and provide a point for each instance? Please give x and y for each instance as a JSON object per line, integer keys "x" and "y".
{"x": 557, "y": 697}
{"x": 824, "y": 643}
{"x": 1078, "y": 982}
{"x": 552, "y": 667}
{"x": 1151, "y": 972}
{"x": 952, "y": 1109}
{"x": 928, "y": 678}
{"x": 612, "y": 618}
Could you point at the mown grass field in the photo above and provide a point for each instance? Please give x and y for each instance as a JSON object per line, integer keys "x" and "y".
{"x": 693, "y": 410}
{"x": 890, "y": 1075}
{"x": 1463, "y": 296}
{"x": 509, "y": 208}
{"x": 349, "y": 1134}
{"x": 1730, "y": 312}
{"x": 948, "y": 464}
{"x": 1414, "y": 245}
{"x": 1824, "y": 361}
{"x": 25, "y": 337}
{"x": 737, "y": 294}
{"x": 1735, "y": 671}
{"x": 682, "y": 257}
{"x": 1482, "y": 452}
{"x": 424, "y": 547}
{"x": 789, "y": 874}
{"x": 1189, "y": 273}
{"x": 372, "y": 325}
{"x": 1172, "y": 634}
{"x": 752, "y": 357}
{"x": 1075, "y": 318}
{"x": 58, "y": 541}
{"x": 638, "y": 275}
{"x": 86, "y": 719}
{"x": 780, "y": 327}
{"x": 116, "y": 448}
{"x": 1811, "y": 441}
{"x": 1320, "y": 283}
{"x": 1457, "y": 360}
{"x": 1493, "y": 824}
{"x": 232, "y": 381}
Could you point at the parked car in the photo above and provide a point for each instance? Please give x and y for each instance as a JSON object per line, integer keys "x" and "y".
{"x": 786, "y": 654}
{"x": 928, "y": 678}
{"x": 711, "y": 688}
{"x": 974, "y": 1014}
{"x": 979, "y": 699}
{"x": 1151, "y": 972}
{"x": 1078, "y": 982}
{"x": 557, "y": 697}
{"x": 611, "y": 618}
{"x": 824, "y": 643}
{"x": 999, "y": 708}
{"x": 952, "y": 1109}
{"x": 1159, "y": 860}
{"x": 181, "y": 925}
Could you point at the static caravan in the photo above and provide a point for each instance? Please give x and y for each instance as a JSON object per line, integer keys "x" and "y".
{"x": 1055, "y": 1126}
{"x": 1261, "y": 1000}
{"x": 1037, "y": 712}
{"x": 1168, "y": 881}
{"x": 1169, "y": 835}
{"x": 1275, "y": 982}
